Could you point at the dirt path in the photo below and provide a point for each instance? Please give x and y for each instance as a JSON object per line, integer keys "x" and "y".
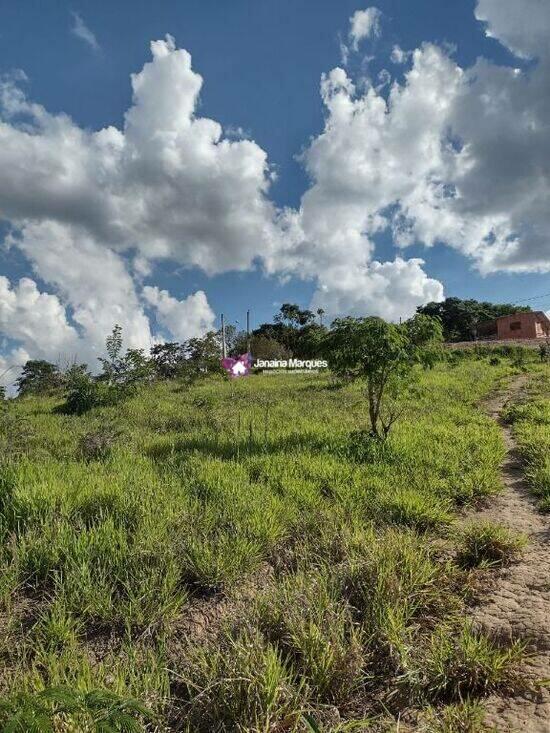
{"x": 519, "y": 603}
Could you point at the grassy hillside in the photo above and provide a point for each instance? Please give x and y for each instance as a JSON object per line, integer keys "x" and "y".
{"x": 238, "y": 557}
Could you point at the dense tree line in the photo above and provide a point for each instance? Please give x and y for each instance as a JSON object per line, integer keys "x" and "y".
{"x": 461, "y": 319}
{"x": 349, "y": 344}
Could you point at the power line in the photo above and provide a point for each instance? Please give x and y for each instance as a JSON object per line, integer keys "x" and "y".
{"x": 535, "y": 297}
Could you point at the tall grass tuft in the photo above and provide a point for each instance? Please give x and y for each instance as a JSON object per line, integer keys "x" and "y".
{"x": 239, "y": 683}
{"x": 486, "y": 544}
{"x": 315, "y": 631}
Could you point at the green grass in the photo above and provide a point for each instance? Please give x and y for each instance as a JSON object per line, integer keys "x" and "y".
{"x": 330, "y": 557}
{"x": 466, "y": 717}
{"x": 460, "y": 662}
{"x": 485, "y": 544}
{"x": 530, "y": 417}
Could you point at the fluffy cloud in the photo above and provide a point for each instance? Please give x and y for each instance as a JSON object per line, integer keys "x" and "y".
{"x": 523, "y": 27}
{"x": 168, "y": 185}
{"x": 184, "y": 319}
{"x": 93, "y": 279}
{"x": 36, "y": 320}
{"x": 451, "y": 155}
{"x": 364, "y": 24}
{"x": 388, "y": 289}
{"x": 370, "y": 157}
{"x": 490, "y": 196}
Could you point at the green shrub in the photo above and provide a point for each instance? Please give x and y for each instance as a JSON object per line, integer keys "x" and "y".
{"x": 82, "y": 391}
{"x": 363, "y": 447}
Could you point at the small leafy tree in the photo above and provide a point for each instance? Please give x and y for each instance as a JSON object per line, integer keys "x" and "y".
{"x": 124, "y": 372}
{"x": 293, "y": 315}
{"x": 295, "y": 329}
{"x": 204, "y": 353}
{"x": 167, "y": 359}
{"x": 82, "y": 390}
{"x": 425, "y": 335}
{"x": 39, "y": 377}
{"x": 263, "y": 347}
{"x": 113, "y": 346}
{"x": 383, "y": 354}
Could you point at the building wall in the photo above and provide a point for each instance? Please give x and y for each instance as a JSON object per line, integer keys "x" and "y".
{"x": 493, "y": 343}
{"x": 520, "y": 326}
{"x": 542, "y": 329}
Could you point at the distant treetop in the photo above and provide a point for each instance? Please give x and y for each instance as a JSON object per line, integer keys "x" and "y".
{"x": 460, "y": 319}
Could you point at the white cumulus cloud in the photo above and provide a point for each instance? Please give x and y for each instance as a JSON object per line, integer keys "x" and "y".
{"x": 184, "y": 319}
{"x": 36, "y": 320}
{"x": 448, "y": 156}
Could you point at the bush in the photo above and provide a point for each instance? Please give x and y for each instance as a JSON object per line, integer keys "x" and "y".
{"x": 39, "y": 377}
{"x": 119, "y": 380}
{"x": 519, "y": 357}
{"x": 96, "y": 445}
{"x": 83, "y": 391}
{"x": 364, "y": 447}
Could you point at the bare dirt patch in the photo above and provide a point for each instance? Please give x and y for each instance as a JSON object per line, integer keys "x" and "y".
{"x": 518, "y": 605}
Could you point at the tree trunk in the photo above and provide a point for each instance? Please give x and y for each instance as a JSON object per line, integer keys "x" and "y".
{"x": 373, "y": 414}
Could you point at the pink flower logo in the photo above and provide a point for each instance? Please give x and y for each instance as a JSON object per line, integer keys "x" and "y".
{"x": 239, "y": 367}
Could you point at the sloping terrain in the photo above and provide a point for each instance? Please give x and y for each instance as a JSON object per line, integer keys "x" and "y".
{"x": 239, "y": 556}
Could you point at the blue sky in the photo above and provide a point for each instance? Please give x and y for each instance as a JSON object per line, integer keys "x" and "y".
{"x": 261, "y": 62}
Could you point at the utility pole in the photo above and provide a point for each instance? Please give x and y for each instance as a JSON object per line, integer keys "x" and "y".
{"x": 224, "y": 354}
{"x": 248, "y": 331}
